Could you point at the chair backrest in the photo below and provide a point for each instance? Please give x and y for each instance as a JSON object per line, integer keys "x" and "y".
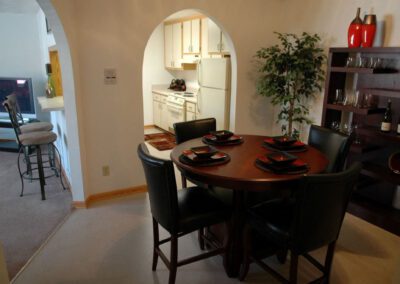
{"x": 333, "y": 144}
{"x": 321, "y": 203}
{"x": 13, "y": 101}
{"x": 193, "y": 129}
{"x": 161, "y": 186}
{"x": 12, "y": 113}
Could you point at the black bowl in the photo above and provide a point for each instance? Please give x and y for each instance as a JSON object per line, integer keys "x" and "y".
{"x": 204, "y": 151}
{"x": 222, "y": 134}
{"x": 281, "y": 158}
{"x": 284, "y": 140}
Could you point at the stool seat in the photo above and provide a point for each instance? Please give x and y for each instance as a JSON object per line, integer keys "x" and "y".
{"x": 37, "y": 138}
{"x": 36, "y": 126}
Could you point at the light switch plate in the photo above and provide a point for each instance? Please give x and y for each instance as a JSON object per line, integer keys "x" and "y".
{"x": 110, "y": 76}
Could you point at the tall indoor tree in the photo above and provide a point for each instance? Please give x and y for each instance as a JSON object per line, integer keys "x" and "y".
{"x": 291, "y": 73}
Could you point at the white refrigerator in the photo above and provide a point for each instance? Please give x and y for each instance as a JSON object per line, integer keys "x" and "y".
{"x": 213, "y": 97}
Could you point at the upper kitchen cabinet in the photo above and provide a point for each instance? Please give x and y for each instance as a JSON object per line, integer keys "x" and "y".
{"x": 191, "y": 36}
{"x": 216, "y": 39}
{"x": 173, "y": 45}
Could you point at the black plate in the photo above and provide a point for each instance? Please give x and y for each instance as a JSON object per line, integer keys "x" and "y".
{"x": 193, "y": 160}
{"x": 233, "y": 140}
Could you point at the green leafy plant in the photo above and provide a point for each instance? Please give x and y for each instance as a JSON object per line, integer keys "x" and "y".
{"x": 291, "y": 73}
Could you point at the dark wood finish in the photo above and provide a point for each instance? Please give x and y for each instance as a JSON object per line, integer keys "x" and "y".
{"x": 241, "y": 175}
{"x": 363, "y": 111}
{"x": 382, "y": 84}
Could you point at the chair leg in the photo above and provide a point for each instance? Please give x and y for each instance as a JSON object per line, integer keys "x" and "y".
{"x": 184, "y": 182}
{"x": 173, "y": 259}
{"x": 19, "y": 170}
{"x": 294, "y": 261}
{"x": 156, "y": 241}
{"x": 328, "y": 262}
{"x": 41, "y": 172}
{"x": 281, "y": 255}
{"x": 244, "y": 268}
{"x": 201, "y": 239}
{"x": 59, "y": 159}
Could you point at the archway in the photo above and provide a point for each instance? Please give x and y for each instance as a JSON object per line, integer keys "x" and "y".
{"x": 154, "y": 71}
{"x": 66, "y": 121}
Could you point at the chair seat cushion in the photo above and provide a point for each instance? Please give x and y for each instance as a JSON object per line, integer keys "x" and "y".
{"x": 37, "y": 138}
{"x": 36, "y": 126}
{"x": 198, "y": 209}
{"x": 273, "y": 219}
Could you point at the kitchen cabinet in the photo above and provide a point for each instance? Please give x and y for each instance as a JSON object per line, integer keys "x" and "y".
{"x": 376, "y": 85}
{"x": 191, "y": 36}
{"x": 160, "y": 113}
{"x": 216, "y": 39}
{"x": 173, "y": 45}
{"x": 190, "y": 111}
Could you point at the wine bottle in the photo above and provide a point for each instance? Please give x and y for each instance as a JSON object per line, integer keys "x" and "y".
{"x": 387, "y": 118}
{"x": 398, "y": 127}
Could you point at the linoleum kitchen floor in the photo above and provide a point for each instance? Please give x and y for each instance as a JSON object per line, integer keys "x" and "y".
{"x": 112, "y": 243}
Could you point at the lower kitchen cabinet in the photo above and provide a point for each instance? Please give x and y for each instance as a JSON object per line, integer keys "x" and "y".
{"x": 190, "y": 111}
{"x": 160, "y": 112}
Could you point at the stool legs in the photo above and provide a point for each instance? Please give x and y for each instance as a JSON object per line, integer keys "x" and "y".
{"x": 40, "y": 166}
{"x": 41, "y": 172}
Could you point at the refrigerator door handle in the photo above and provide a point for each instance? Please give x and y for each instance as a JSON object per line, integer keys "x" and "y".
{"x": 198, "y": 72}
{"x": 198, "y": 100}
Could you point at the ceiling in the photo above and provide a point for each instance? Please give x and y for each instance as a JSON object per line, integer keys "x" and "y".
{"x": 19, "y": 6}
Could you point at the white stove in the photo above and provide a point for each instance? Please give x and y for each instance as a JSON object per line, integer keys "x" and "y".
{"x": 176, "y": 109}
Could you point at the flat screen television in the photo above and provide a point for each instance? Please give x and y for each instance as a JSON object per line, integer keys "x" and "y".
{"x": 22, "y": 87}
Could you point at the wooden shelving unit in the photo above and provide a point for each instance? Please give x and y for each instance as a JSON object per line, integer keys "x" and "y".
{"x": 383, "y": 84}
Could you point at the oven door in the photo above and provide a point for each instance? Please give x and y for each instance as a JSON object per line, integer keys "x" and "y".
{"x": 176, "y": 113}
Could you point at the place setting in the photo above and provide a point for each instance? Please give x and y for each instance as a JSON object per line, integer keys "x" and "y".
{"x": 204, "y": 156}
{"x": 222, "y": 138}
{"x": 281, "y": 163}
{"x": 284, "y": 143}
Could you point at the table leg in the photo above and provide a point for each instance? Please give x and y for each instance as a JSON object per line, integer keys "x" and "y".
{"x": 233, "y": 256}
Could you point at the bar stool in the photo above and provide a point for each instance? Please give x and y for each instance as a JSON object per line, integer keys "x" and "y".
{"x": 34, "y": 140}
{"x": 31, "y": 126}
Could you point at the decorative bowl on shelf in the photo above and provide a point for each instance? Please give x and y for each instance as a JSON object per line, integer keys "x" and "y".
{"x": 394, "y": 163}
{"x": 284, "y": 140}
{"x": 204, "y": 151}
{"x": 222, "y": 134}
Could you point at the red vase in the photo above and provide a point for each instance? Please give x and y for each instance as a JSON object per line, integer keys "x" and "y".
{"x": 354, "y": 31}
{"x": 368, "y": 30}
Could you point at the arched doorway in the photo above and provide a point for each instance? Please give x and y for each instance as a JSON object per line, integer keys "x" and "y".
{"x": 67, "y": 120}
{"x": 200, "y": 37}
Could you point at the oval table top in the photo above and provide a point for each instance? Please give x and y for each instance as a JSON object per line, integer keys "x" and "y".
{"x": 240, "y": 172}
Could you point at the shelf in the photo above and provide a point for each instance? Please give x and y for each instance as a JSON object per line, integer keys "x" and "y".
{"x": 51, "y": 104}
{"x": 365, "y": 50}
{"x": 392, "y": 93}
{"x": 380, "y": 172}
{"x": 363, "y": 70}
{"x": 362, "y": 111}
{"x": 375, "y": 132}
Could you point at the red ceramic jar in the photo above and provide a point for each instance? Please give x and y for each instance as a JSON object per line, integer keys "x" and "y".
{"x": 368, "y": 30}
{"x": 354, "y": 31}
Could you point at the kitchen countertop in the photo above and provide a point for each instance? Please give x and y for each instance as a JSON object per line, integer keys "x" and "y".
{"x": 163, "y": 90}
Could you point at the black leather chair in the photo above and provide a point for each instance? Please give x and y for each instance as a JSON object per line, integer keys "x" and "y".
{"x": 193, "y": 129}
{"x": 333, "y": 144}
{"x": 178, "y": 211}
{"x": 187, "y": 130}
{"x": 311, "y": 221}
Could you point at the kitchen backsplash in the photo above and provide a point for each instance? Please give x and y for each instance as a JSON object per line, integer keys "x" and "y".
{"x": 190, "y": 77}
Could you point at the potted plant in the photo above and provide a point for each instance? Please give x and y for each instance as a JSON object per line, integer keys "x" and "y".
{"x": 291, "y": 73}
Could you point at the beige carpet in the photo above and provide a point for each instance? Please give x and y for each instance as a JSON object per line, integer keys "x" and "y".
{"x": 26, "y": 222}
{"x": 112, "y": 242}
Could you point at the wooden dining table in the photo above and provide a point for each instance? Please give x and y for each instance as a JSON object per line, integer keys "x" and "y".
{"x": 241, "y": 175}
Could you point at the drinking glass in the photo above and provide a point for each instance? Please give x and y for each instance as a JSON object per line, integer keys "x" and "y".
{"x": 338, "y": 97}
{"x": 350, "y": 62}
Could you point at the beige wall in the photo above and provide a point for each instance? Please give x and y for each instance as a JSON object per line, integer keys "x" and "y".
{"x": 105, "y": 34}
